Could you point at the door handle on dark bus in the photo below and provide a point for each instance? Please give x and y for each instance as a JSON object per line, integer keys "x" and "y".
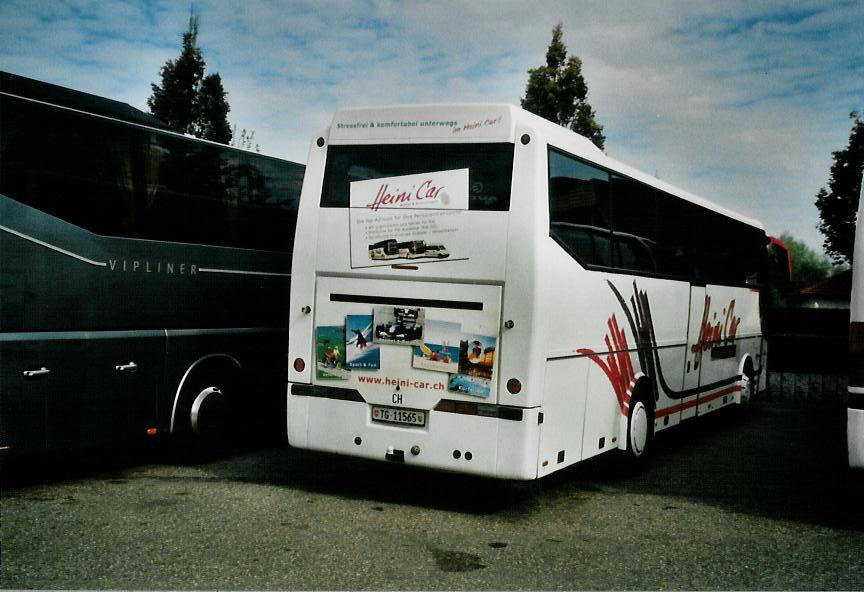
{"x": 130, "y": 367}
{"x": 34, "y": 373}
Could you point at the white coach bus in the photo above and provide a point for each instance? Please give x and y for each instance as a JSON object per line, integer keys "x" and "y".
{"x": 855, "y": 413}
{"x": 583, "y": 306}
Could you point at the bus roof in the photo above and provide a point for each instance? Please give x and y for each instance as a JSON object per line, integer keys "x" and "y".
{"x": 487, "y": 122}
{"x": 80, "y": 101}
{"x": 101, "y": 107}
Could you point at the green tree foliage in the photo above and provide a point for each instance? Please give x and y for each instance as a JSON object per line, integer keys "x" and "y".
{"x": 808, "y": 266}
{"x": 558, "y": 92}
{"x": 188, "y": 101}
{"x": 211, "y": 111}
{"x": 838, "y": 205}
{"x": 244, "y": 139}
{"x": 173, "y": 102}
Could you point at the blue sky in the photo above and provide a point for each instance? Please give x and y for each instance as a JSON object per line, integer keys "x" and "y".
{"x": 740, "y": 102}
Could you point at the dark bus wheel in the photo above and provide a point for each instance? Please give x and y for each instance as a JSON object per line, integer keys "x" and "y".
{"x": 208, "y": 416}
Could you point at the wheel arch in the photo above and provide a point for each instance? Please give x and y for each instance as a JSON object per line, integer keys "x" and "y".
{"x": 747, "y": 360}
{"x": 748, "y": 379}
{"x": 645, "y": 387}
{"x": 221, "y": 360}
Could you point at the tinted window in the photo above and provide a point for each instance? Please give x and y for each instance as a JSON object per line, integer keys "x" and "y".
{"x": 579, "y": 209}
{"x": 245, "y": 200}
{"x": 728, "y": 252}
{"x": 121, "y": 180}
{"x": 661, "y": 223}
{"x": 490, "y": 169}
{"x": 677, "y": 226}
{"x": 617, "y": 223}
{"x": 635, "y": 231}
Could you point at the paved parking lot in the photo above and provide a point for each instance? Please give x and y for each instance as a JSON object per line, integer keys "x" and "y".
{"x": 753, "y": 498}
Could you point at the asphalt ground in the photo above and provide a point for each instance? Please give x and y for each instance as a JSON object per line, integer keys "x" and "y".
{"x": 746, "y": 498}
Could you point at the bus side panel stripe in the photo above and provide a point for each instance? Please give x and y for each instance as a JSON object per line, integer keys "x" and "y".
{"x": 695, "y": 402}
{"x": 53, "y": 247}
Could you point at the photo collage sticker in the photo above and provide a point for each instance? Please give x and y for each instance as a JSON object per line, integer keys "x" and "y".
{"x": 399, "y": 325}
{"x": 360, "y": 351}
{"x": 437, "y": 346}
{"x": 476, "y": 360}
{"x": 440, "y": 348}
{"x": 330, "y": 353}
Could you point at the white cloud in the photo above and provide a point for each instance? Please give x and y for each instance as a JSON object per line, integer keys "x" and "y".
{"x": 740, "y": 102}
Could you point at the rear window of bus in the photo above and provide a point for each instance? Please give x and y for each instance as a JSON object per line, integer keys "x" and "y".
{"x": 490, "y": 169}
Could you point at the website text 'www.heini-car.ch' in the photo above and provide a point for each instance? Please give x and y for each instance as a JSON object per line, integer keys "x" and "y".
{"x": 403, "y": 383}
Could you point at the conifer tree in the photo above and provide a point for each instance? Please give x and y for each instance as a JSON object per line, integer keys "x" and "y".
{"x": 188, "y": 101}
{"x": 211, "y": 111}
{"x": 558, "y": 92}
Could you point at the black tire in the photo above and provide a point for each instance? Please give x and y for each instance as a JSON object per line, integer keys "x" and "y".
{"x": 205, "y": 414}
{"x": 209, "y": 416}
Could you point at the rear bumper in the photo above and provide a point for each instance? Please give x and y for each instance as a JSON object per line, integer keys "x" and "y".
{"x": 479, "y": 445}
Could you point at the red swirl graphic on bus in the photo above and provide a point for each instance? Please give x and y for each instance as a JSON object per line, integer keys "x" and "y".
{"x": 617, "y": 367}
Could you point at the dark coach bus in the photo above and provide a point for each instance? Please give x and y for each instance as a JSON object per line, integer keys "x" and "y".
{"x": 144, "y": 275}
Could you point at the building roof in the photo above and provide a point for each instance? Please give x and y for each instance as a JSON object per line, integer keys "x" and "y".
{"x": 838, "y": 285}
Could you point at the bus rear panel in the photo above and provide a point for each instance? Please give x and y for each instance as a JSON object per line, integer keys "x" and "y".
{"x": 466, "y": 300}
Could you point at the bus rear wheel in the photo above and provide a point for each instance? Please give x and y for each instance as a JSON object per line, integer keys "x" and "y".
{"x": 748, "y": 383}
{"x": 640, "y": 431}
{"x": 208, "y": 416}
{"x": 205, "y": 413}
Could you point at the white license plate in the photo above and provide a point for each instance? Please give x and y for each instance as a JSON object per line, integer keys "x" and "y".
{"x": 412, "y": 417}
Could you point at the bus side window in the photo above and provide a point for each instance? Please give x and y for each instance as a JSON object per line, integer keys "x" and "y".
{"x": 634, "y": 225}
{"x": 729, "y": 252}
{"x": 579, "y": 209}
{"x": 677, "y": 225}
